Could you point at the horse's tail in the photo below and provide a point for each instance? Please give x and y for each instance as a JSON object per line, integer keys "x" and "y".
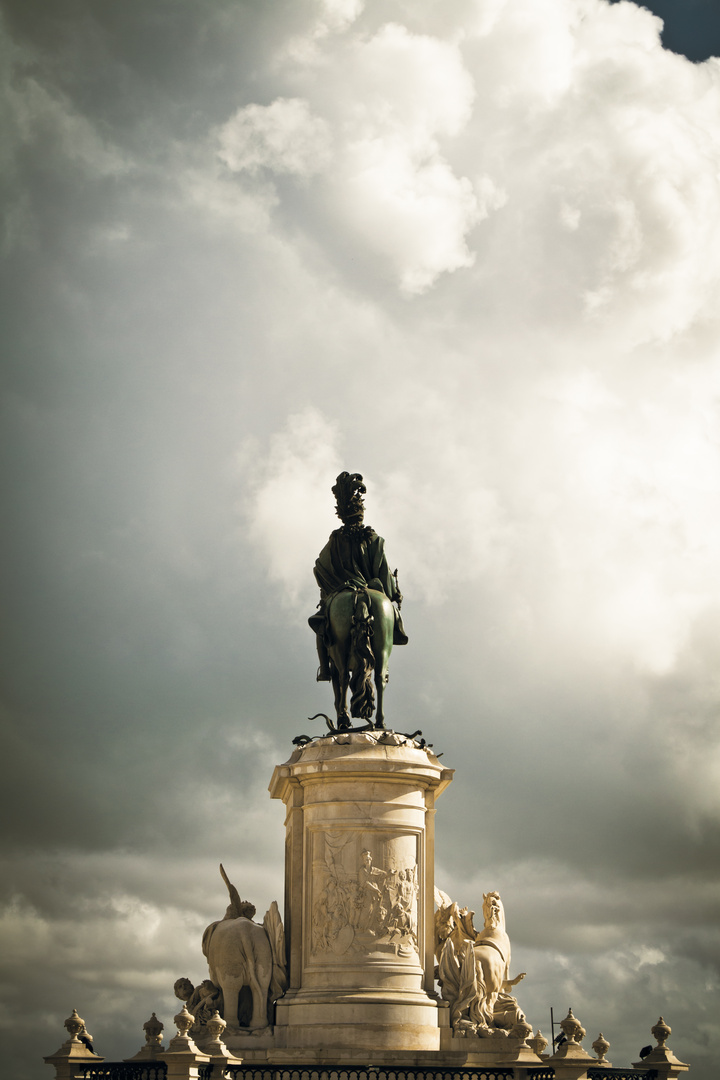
{"x": 362, "y": 697}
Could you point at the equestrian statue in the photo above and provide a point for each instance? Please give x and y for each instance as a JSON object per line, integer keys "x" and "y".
{"x": 358, "y": 618}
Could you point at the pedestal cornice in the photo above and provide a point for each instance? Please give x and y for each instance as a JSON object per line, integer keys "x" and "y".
{"x": 360, "y": 754}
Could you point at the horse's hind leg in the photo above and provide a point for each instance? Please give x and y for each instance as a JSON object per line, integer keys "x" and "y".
{"x": 379, "y": 714}
{"x": 340, "y": 688}
{"x": 381, "y": 678}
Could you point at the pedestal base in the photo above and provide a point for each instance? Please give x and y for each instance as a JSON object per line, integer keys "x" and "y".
{"x": 381, "y": 1045}
{"x": 367, "y": 1021}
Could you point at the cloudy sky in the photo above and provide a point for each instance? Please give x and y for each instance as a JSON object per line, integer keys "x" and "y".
{"x": 470, "y": 249}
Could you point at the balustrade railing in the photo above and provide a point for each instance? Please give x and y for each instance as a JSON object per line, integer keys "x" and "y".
{"x": 157, "y": 1070}
{"x": 369, "y": 1072}
{"x": 621, "y": 1074}
{"x": 124, "y": 1070}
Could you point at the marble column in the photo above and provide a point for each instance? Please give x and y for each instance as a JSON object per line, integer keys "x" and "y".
{"x": 359, "y": 881}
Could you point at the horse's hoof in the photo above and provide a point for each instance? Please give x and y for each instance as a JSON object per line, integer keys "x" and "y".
{"x": 343, "y": 723}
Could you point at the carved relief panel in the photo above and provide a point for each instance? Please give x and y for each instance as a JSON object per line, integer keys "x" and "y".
{"x": 364, "y": 895}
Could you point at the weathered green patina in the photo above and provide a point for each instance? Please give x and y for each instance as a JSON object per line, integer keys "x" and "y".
{"x": 358, "y": 619}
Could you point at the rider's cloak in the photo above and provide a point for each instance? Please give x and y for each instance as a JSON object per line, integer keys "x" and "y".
{"x": 355, "y": 559}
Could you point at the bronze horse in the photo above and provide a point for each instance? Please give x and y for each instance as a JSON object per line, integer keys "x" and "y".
{"x": 361, "y": 623}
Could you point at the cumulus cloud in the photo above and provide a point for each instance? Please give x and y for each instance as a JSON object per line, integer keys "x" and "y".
{"x": 375, "y": 144}
{"x": 283, "y": 137}
{"x": 287, "y": 496}
{"x": 336, "y": 15}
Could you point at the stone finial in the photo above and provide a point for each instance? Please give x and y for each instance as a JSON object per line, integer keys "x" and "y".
{"x": 181, "y": 1046}
{"x": 75, "y": 1024}
{"x": 214, "y": 1046}
{"x": 601, "y": 1047}
{"x": 661, "y": 1032}
{"x": 216, "y": 1026}
{"x": 183, "y": 1021}
{"x": 153, "y": 1029}
{"x": 520, "y": 1030}
{"x": 568, "y": 1050}
{"x": 572, "y": 1029}
{"x": 538, "y": 1043}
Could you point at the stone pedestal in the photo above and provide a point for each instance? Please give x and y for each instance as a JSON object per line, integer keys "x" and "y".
{"x": 183, "y": 1059}
{"x": 74, "y": 1054}
{"x": 359, "y": 884}
{"x": 71, "y": 1059}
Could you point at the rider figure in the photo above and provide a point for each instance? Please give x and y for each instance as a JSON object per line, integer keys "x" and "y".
{"x": 353, "y": 558}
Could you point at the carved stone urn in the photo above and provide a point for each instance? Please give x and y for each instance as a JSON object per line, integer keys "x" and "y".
{"x": 75, "y": 1024}
{"x": 215, "y": 1026}
{"x": 214, "y": 1046}
{"x": 183, "y": 1021}
{"x": 153, "y": 1029}
{"x": 521, "y": 1030}
{"x": 572, "y": 1029}
{"x": 601, "y": 1047}
{"x": 538, "y": 1043}
{"x": 661, "y": 1032}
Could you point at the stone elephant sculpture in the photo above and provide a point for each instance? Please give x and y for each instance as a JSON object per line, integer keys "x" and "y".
{"x": 239, "y": 954}
{"x": 242, "y": 953}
